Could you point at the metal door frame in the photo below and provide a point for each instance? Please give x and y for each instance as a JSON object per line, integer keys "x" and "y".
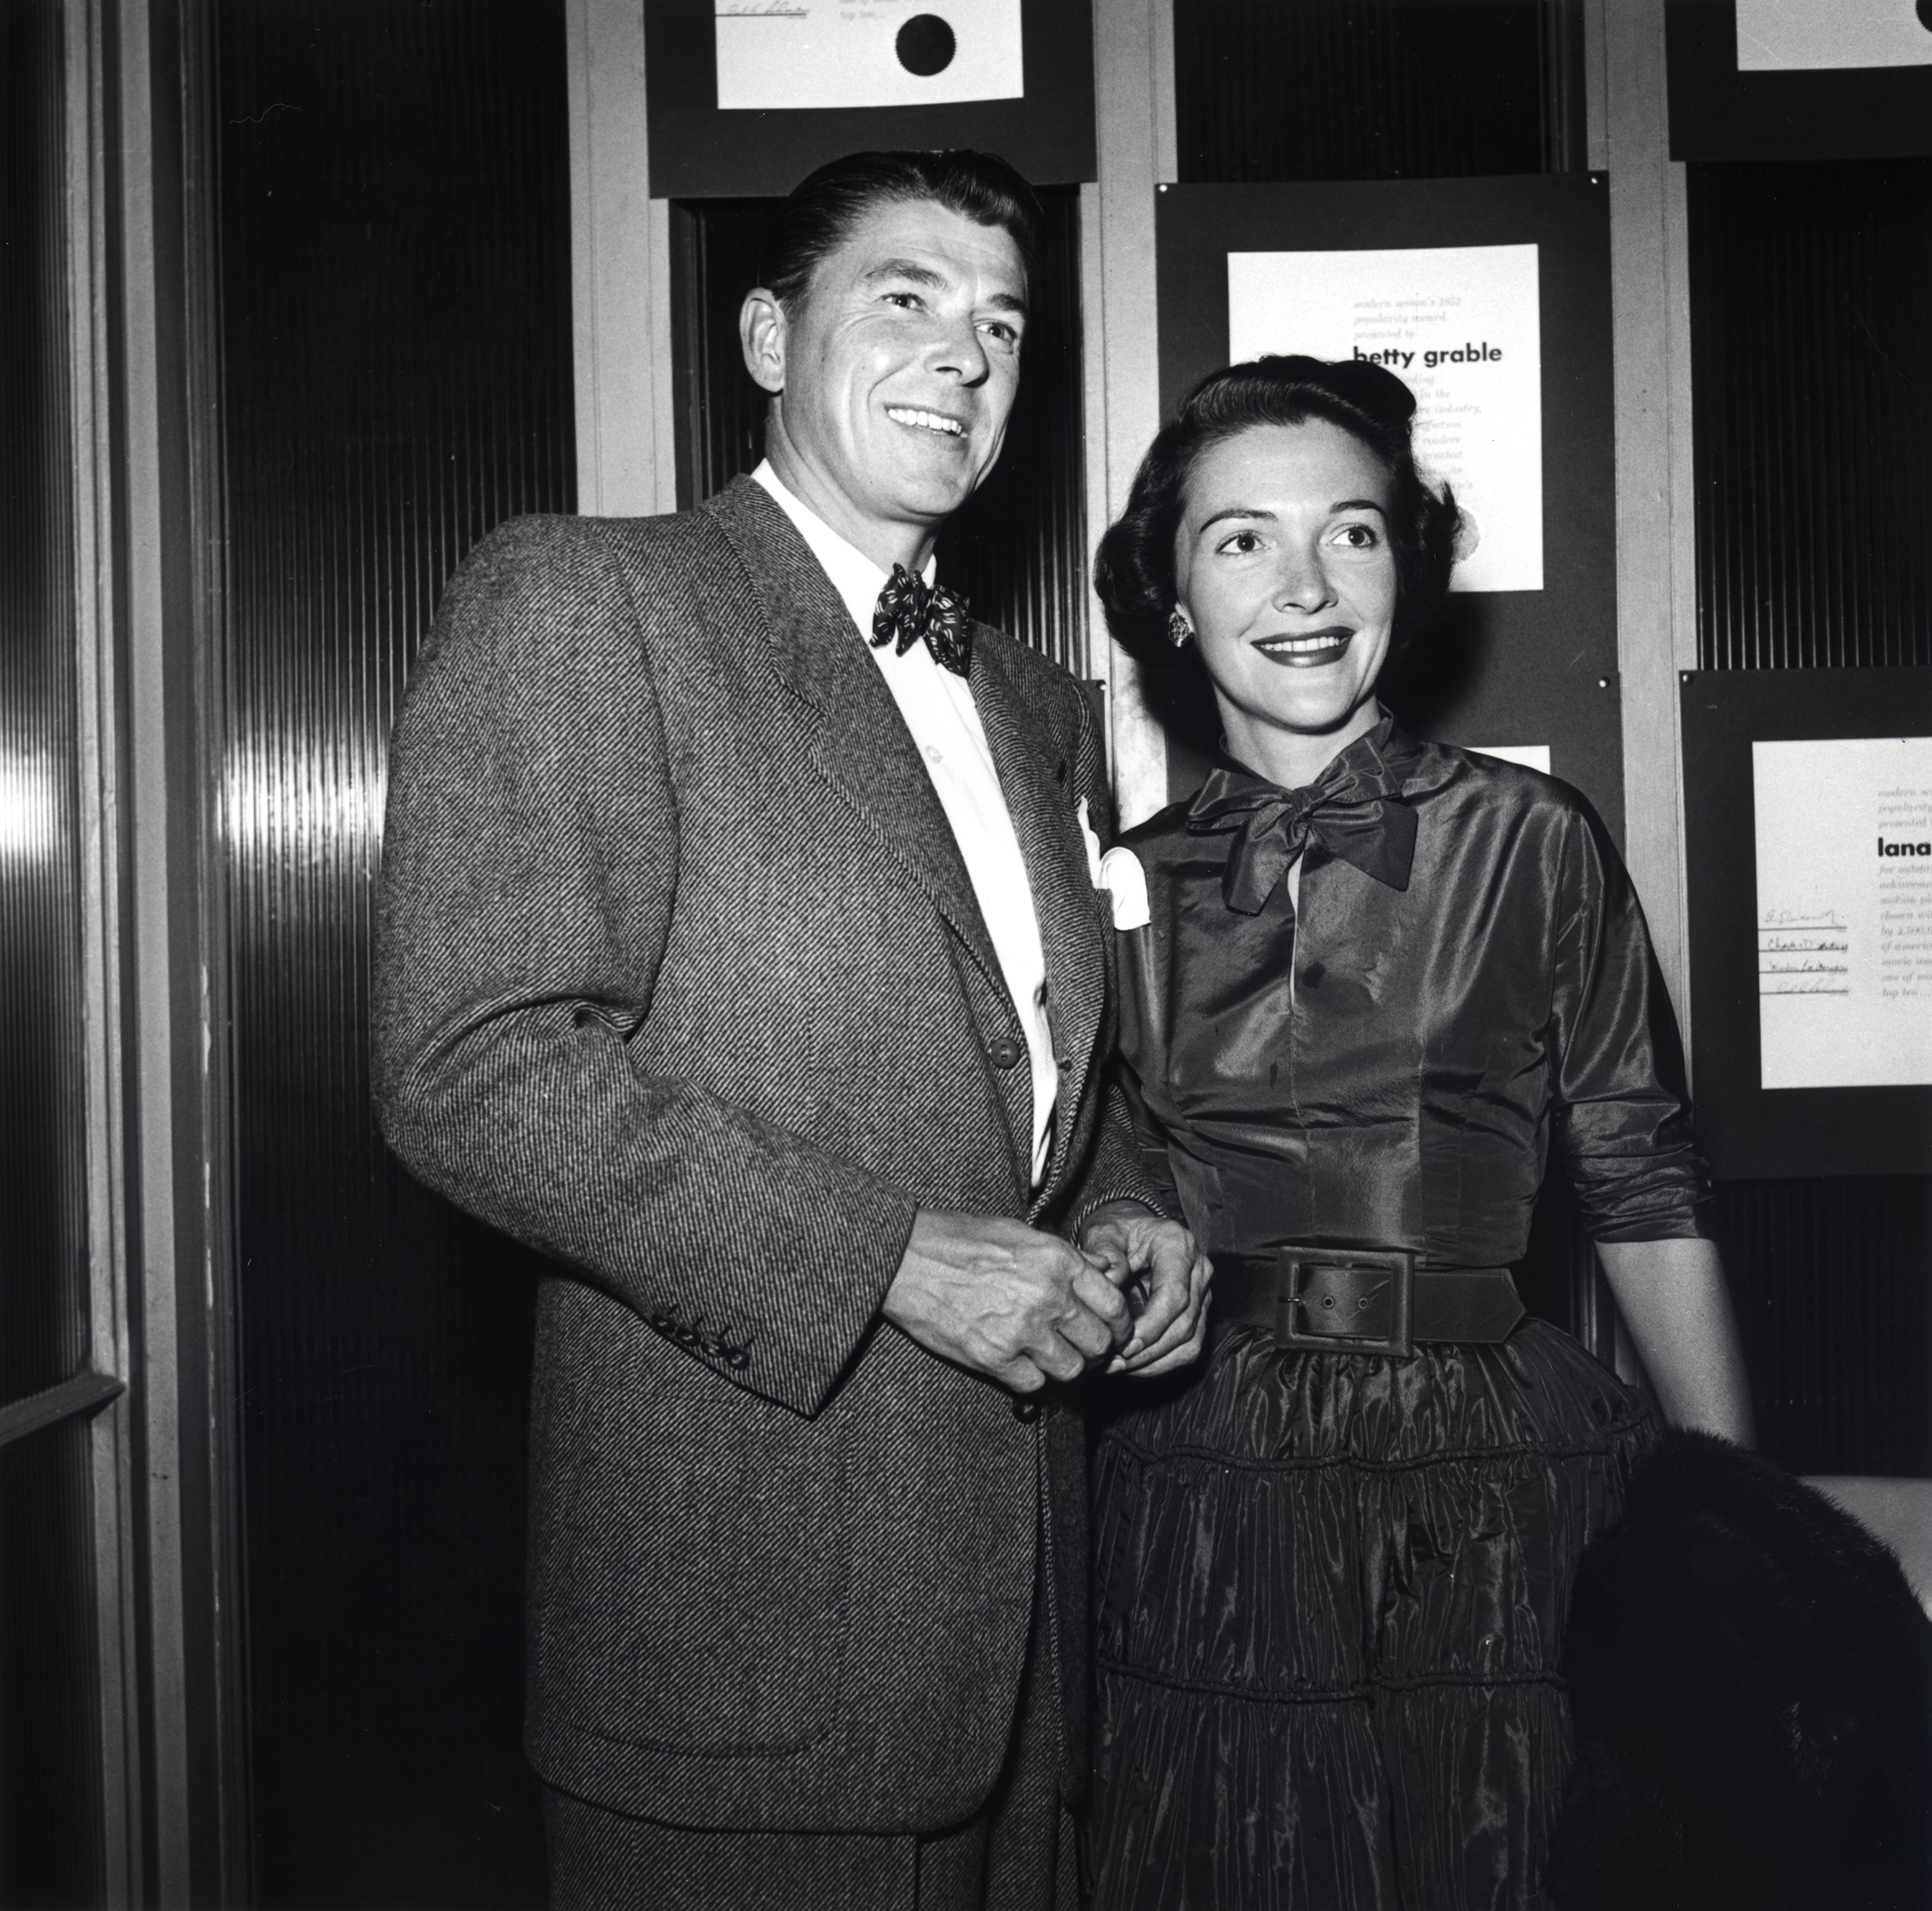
{"x": 159, "y": 1391}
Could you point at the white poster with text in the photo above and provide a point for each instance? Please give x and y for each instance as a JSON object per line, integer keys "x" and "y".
{"x": 783, "y": 54}
{"x": 1816, "y": 36}
{"x": 1461, "y": 327}
{"x": 1844, "y": 911}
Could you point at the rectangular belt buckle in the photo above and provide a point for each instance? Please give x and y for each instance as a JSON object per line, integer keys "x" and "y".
{"x": 1349, "y": 1301}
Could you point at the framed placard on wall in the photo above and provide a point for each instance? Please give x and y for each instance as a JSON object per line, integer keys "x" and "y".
{"x": 1808, "y": 801}
{"x": 1799, "y": 79}
{"x": 1491, "y": 297}
{"x": 747, "y": 96}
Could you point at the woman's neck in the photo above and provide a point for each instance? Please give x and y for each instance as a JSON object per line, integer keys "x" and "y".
{"x": 1292, "y": 758}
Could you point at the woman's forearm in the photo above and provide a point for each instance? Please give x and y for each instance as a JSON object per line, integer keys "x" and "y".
{"x": 1674, "y": 1299}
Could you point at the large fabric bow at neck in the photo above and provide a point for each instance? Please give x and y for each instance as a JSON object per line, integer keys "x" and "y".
{"x": 1348, "y": 811}
{"x": 909, "y": 609}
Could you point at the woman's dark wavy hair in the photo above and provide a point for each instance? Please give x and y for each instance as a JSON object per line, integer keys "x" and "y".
{"x": 826, "y": 205}
{"x": 1134, "y": 570}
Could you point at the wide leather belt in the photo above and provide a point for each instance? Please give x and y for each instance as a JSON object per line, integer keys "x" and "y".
{"x": 1361, "y": 1300}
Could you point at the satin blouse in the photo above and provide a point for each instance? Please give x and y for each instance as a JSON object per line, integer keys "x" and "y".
{"x": 1387, "y": 1060}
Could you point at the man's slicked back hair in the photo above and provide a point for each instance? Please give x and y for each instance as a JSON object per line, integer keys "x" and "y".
{"x": 824, "y": 208}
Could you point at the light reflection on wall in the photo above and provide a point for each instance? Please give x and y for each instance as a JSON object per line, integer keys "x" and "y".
{"x": 294, "y": 804}
{"x": 29, "y": 809}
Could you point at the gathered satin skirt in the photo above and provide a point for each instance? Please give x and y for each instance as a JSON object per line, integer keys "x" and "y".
{"x": 1330, "y": 1591}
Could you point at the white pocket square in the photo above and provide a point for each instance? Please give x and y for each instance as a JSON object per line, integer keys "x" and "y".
{"x": 1126, "y": 883}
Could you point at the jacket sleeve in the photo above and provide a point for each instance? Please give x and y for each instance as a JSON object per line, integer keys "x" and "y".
{"x": 1116, "y": 1167}
{"x": 529, "y": 866}
{"x": 1117, "y": 1170}
{"x": 1623, "y": 1117}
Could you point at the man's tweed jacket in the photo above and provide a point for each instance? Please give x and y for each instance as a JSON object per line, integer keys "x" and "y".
{"x": 681, "y": 979}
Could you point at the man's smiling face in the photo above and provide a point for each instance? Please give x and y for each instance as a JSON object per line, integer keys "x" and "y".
{"x": 894, "y": 375}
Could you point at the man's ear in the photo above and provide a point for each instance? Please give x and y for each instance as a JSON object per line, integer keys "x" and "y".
{"x": 761, "y": 334}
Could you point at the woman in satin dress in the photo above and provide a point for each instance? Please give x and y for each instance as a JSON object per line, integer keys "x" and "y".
{"x": 1368, "y": 982}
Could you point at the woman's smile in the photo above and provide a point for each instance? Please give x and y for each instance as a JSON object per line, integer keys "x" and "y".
{"x": 1308, "y": 651}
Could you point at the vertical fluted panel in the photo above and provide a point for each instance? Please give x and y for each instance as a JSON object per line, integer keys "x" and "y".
{"x": 50, "y": 1839}
{"x": 393, "y": 237}
{"x": 1810, "y": 291}
{"x": 1018, "y": 549}
{"x": 1283, "y": 89}
{"x": 1830, "y": 1279}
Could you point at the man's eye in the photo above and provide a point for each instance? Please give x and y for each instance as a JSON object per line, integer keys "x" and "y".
{"x": 997, "y": 328}
{"x": 907, "y": 301}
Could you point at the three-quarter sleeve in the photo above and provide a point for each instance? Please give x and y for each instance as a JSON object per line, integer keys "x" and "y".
{"x": 1622, "y": 1119}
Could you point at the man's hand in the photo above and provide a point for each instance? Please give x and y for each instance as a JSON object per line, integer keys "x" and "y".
{"x": 1141, "y": 1250}
{"x": 1020, "y": 1307}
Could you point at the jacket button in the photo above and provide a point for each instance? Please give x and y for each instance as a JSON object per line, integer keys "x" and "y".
{"x": 1005, "y": 1052}
{"x": 1025, "y": 1410}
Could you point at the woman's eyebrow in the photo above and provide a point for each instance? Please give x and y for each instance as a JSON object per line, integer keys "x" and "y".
{"x": 1238, "y": 511}
{"x": 1256, "y": 510}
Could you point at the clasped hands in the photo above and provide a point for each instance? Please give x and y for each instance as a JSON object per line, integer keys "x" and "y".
{"x": 1023, "y": 1307}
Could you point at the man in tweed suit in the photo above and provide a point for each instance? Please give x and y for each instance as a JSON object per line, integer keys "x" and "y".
{"x": 758, "y": 977}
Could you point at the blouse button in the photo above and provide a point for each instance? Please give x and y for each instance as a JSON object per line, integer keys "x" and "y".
{"x": 1004, "y": 1053}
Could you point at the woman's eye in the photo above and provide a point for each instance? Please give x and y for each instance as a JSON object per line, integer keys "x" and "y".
{"x": 1357, "y": 537}
{"x": 1242, "y": 544}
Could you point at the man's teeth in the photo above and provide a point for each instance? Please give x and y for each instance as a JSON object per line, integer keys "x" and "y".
{"x": 932, "y": 421}
{"x": 1326, "y": 641}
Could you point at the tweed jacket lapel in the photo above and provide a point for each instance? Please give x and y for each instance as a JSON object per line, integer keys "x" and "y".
{"x": 861, "y": 745}
{"x": 1035, "y": 779}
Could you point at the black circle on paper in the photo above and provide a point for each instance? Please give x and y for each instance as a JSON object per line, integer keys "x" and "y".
{"x": 926, "y": 45}
{"x": 1925, "y": 14}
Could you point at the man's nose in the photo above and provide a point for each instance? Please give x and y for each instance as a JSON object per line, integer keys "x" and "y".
{"x": 962, "y": 352}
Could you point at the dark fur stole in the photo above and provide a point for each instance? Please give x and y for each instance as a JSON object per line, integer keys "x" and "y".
{"x": 1752, "y": 1680}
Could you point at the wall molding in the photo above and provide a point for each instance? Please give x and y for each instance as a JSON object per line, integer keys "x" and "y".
{"x": 621, "y": 271}
{"x": 1135, "y": 128}
{"x": 1656, "y": 527}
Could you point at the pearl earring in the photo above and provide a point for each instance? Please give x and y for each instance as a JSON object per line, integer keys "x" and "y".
{"x": 1179, "y": 629}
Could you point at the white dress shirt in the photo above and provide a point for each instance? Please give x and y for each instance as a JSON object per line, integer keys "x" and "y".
{"x": 939, "y": 711}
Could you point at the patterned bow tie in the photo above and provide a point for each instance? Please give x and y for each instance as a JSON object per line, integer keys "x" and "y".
{"x": 909, "y": 608}
{"x": 1348, "y": 814}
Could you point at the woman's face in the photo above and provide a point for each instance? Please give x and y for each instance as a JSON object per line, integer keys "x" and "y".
{"x": 1284, "y": 567}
